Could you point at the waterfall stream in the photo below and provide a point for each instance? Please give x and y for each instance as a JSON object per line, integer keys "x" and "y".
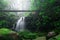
{"x": 20, "y": 24}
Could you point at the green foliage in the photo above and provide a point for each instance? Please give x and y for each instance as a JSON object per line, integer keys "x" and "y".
{"x": 7, "y": 19}
{"x": 35, "y": 4}
{"x": 3, "y": 4}
{"x": 58, "y": 37}
{"x": 5, "y": 34}
{"x": 28, "y": 35}
{"x": 5, "y": 31}
{"x": 46, "y": 19}
{"x": 55, "y": 38}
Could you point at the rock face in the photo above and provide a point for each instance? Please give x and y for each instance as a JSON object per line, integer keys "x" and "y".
{"x": 51, "y": 35}
{"x": 15, "y": 36}
{"x": 10, "y": 36}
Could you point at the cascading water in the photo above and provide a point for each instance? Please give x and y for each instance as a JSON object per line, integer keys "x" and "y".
{"x": 19, "y": 5}
{"x": 20, "y": 24}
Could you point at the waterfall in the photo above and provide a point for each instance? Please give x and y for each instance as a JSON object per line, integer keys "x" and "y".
{"x": 20, "y": 24}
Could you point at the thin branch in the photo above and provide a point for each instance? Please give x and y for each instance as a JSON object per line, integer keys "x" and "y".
{"x": 18, "y": 10}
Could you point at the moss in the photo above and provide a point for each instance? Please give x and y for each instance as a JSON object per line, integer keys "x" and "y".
{"x": 4, "y": 31}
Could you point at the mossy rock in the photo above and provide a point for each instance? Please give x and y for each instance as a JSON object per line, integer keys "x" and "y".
{"x": 7, "y": 34}
{"x": 4, "y": 31}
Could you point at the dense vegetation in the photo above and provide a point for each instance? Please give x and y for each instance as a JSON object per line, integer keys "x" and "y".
{"x": 38, "y": 23}
{"x": 46, "y": 19}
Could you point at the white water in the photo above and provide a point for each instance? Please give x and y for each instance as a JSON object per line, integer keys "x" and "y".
{"x": 19, "y": 5}
{"x": 20, "y": 24}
